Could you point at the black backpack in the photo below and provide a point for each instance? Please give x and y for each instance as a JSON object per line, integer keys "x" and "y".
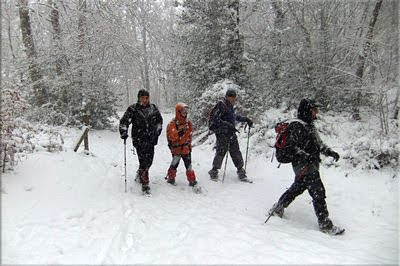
{"x": 211, "y": 116}
{"x": 284, "y": 153}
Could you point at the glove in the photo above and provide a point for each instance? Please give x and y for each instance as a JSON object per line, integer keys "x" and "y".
{"x": 249, "y": 122}
{"x": 159, "y": 131}
{"x": 124, "y": 136}
{"x": 181, "y": 132}
{"x": 333, "y": 154}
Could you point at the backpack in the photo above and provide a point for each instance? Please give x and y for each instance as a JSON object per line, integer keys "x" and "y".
{"x": 283, "y": 153}
{"x": 211, "y": 115}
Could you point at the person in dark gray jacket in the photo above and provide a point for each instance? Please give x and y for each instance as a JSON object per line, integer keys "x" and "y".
{"x": 146, "y": 123}
{"x": 306, "y": 148}
{"x": 223, "y": 121}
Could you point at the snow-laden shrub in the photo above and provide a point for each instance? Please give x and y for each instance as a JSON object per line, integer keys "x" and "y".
{"x": 18, "y": 136}
{"x": 373, "y": 150}
{"x": 201, "y": 107}
{"x": 12, "y": 143}
{"x": 359, "y": 143}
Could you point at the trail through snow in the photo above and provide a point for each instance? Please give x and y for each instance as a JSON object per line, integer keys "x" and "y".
{"x": 71, "y": 208}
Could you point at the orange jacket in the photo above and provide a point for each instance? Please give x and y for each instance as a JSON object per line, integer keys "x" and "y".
{"x": 180, "y": 145}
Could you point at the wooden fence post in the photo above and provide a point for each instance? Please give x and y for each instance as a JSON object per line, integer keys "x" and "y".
{"x": 83, "y": 136}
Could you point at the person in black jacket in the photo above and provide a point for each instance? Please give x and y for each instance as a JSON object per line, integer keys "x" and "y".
{"x": 146, "y": 123}
{"x": 224, "y": 119}
{"x": 306, "y": 147}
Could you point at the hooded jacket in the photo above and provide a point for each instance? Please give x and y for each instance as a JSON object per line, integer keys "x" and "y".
{"x": 180, "y": 145}
{"x": 304, "y": 139}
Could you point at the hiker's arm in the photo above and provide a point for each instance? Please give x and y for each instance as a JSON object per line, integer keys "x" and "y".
{"x": 124, "y": 123}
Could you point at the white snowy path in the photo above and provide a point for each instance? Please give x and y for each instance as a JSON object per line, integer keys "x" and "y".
{"x": 71, "y": 208}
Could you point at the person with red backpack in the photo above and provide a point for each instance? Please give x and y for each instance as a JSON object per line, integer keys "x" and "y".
{"x": 222, "y": 123}
{"x": 179, "y": 136}
{"x": 305, "y": 147}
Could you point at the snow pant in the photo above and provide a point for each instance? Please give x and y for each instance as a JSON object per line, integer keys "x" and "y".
{"x": 312, "y": 182}
{"x": 187, "y": 160}
{"x": 145, "y": 155}
{"x": 225, "y": 143}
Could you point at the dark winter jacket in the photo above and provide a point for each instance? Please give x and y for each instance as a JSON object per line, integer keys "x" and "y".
{"x": 146, "y": 124}
{"x": 305, "y": 141}
{"x": 224, "y": 118}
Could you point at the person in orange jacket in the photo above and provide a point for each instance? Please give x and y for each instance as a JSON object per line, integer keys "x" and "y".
{"x": 179, "y": 136}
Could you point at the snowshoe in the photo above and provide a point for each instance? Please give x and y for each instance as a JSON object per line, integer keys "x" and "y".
{"x": 146, "y": 191}
{"x": 334, "y": 230}
{"x": 195, "y": 187}
{"x": 246, "y": 179}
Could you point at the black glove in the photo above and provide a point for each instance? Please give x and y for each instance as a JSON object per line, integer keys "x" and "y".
{"x": 249, "y": 122}
{"x": 181, "y": 132}
{"x": 159, "y": 131}
{"x": 333, "y": 154}
{"x": 124, "y": 136}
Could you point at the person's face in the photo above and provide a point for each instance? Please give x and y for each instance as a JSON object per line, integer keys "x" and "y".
{"x": 314, "y": 112}
{"x": 144, "y": 100}
{"x": 232, "y": 99}
{"x": 185, "y": 111}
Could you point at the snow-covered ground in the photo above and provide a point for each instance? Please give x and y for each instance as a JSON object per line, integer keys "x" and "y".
{"x": 71, "y": 208}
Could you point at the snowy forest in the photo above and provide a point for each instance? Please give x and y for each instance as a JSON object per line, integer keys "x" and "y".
{"x": 67, "y": 64}
{"x": 65, "y": 60}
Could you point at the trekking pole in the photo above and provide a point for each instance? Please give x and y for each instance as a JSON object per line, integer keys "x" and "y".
{"x": 247, "y": 149}
{"x": 226, "y": 161}
{"x": 125, "y": 161}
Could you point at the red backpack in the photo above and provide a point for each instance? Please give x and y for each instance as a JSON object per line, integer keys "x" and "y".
{"x": 284, "y": 153}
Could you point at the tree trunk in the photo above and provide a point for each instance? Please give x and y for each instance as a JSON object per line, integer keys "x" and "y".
{"x": 55, "y": 23}
{"x": 82, "y": 8}
{"x": 146, "y": 80}
{"x": 277, "y": 40}
{"x": 27, "y": 39}
{"x": 362, "y": 59}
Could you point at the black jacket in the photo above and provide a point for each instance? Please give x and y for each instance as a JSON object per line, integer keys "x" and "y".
{"x": 146, "y": 124}
{"x": 305, "y": 141}
{"x": 225, "y": 117}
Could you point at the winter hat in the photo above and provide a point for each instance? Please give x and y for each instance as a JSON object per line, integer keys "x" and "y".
{"x": 230, "y": 93}
{"x": 142, "y": 93}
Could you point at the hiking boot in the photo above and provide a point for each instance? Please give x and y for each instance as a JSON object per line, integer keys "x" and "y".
{"x": 213, "y": 174}
{"x": 171, "y": 174}
{"x": 277, "y": 210}
{"x": 334, "y": 230}
{"x": 192, "y": 184}
{"x": 242, "y": 174}
{"x": 325, "y": 225}
{"x": 146, "y": 189}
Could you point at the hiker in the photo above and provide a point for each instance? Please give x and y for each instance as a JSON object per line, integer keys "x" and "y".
{"x": 146, "y": 123}
{"x": 223, "y": 121}
{"x": 306, "y": 147}
{"x": 179, "y": 136}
